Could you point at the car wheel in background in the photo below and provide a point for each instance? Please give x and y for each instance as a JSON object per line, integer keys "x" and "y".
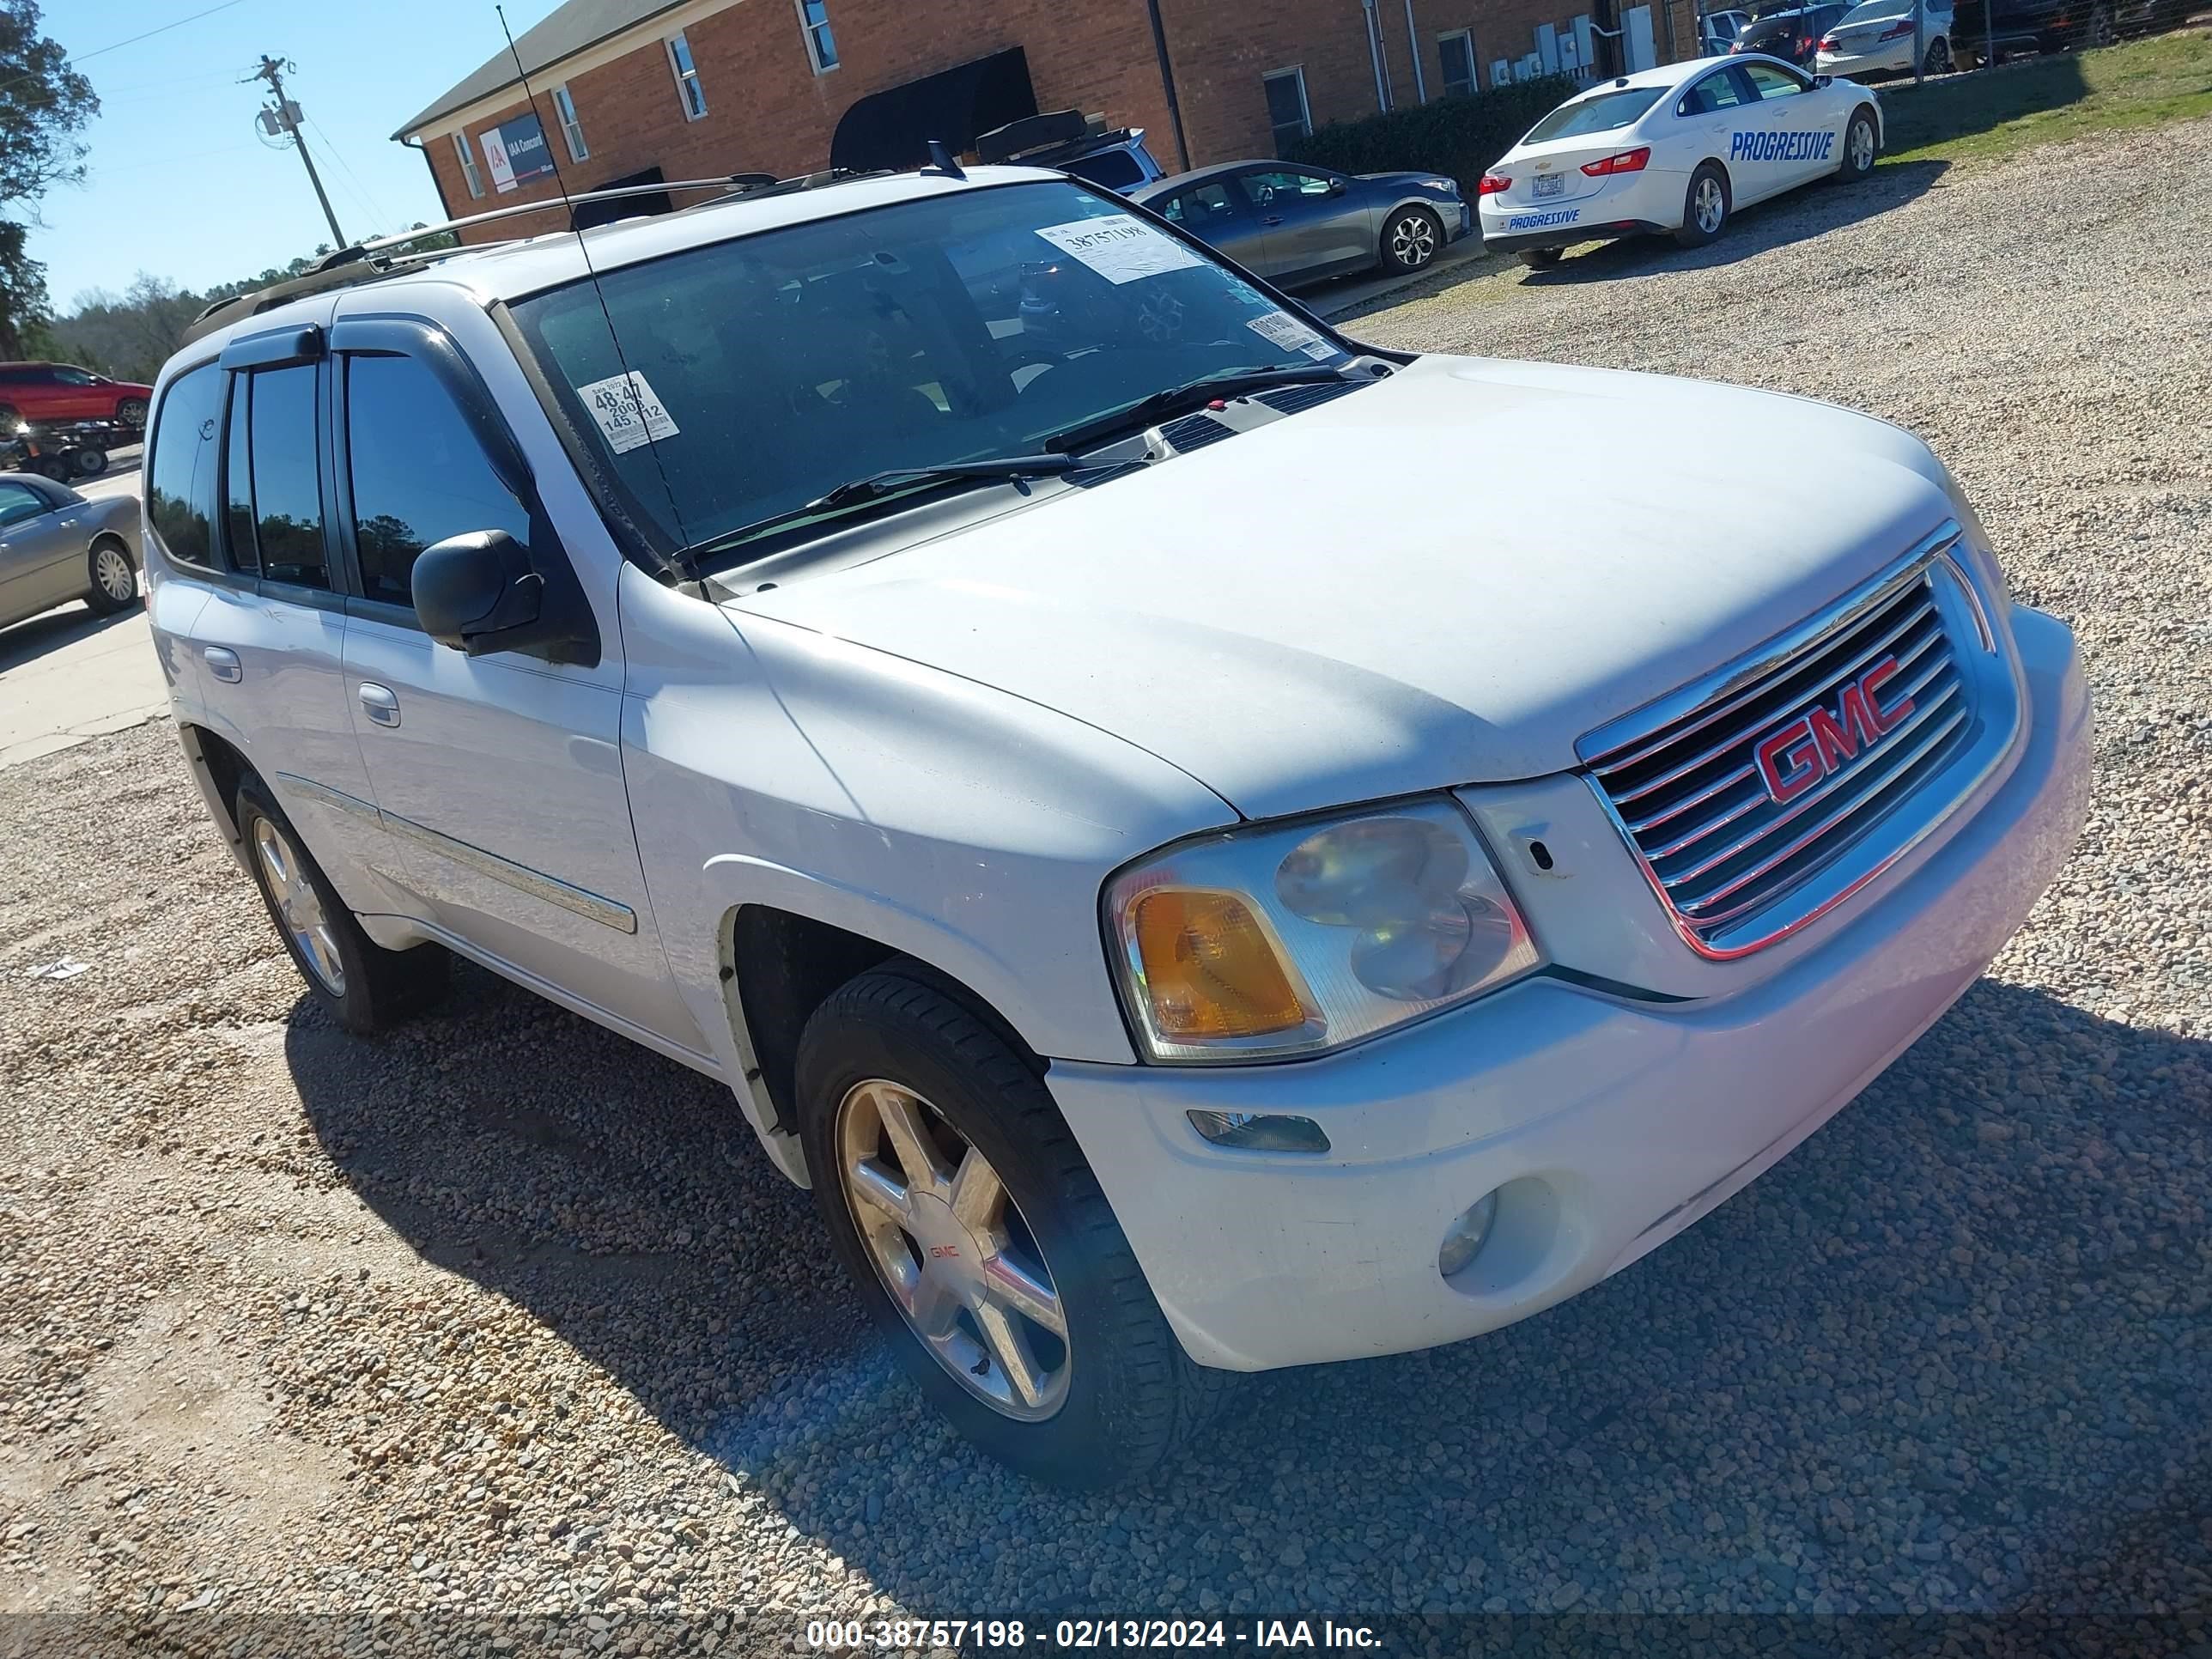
{"x": 1859, "y": 146}
{"x": 1411, "y": 239}
{"x": 52, "y": 466}
{"x": 1541, "y": 258}
{"x": 1705, "y": 206}
{"x": 2099, "y": 30}
{"x": 131, "y": 412}
{"x": 114, "y": 578}
{"x": 1936, "y": 60}
{"x": 980, "y": 1242}
{"x": 366, "y": 987}
{"x": 88, "y": 462}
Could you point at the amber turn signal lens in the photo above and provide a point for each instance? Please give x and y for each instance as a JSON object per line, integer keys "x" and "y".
{"x": 1209, "y": 970}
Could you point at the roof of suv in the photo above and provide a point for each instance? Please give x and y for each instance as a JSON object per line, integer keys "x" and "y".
{"x": 511, "y": 271}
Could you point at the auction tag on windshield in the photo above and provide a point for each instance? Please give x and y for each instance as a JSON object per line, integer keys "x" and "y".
{"x": 627, "y": 411}
{"x": 1280, "y": 328}
{"x": 1120, "y": 248}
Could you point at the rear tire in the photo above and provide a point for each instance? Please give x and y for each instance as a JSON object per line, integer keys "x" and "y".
{"x": 1862, "y": 143}
{"x": 366, "y": 988}
{"x": 1705, "y": 206}
{"x": 131, "y": 412}
{"x": 1936, "y": 60}
{"x": 114, "y": 578}
{"x": 1117, "y": 1394}
{"x": 1541, "y": 258}
{"x": 1411, "y": 241}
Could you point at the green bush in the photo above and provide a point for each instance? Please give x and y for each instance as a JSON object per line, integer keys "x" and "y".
{"x": 1461, "y": 136}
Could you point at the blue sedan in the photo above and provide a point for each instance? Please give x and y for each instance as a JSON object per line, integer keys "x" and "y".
{"x": 1300, "y": 224}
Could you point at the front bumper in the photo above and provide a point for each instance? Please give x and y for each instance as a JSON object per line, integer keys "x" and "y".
{"x": 1606, "y": 1125}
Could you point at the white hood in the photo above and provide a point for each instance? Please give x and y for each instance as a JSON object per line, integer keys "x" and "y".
{"x": 1443, "y": 578}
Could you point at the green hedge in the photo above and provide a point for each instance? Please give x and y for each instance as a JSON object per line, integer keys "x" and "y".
{"x": 1461, "y": 136}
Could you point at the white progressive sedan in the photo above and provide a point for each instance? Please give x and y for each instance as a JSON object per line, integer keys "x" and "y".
{"x": 1674, "y": 151}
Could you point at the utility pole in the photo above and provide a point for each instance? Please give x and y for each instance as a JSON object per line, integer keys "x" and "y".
{"x": 284, "y": 117}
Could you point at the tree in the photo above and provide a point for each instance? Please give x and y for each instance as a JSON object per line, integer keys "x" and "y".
{"x": 44, "y": 104}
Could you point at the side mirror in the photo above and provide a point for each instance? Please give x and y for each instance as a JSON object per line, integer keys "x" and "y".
{"x": 477, "y": 593}
{"x": 1337, "y": 186}
{"x": 1824, "y": 80}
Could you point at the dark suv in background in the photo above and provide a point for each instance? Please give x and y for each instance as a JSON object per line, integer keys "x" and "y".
{"x": 2020, "y": 26}
{"x": 1792, "y": 36}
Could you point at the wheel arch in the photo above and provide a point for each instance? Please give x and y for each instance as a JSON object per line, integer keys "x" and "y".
{"x": 217, "y": 765}
{"x": 779, "y": 965}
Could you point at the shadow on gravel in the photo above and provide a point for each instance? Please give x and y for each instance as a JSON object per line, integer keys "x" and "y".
{"x": 1954, "y": 1353}
{"x": 30, "y": 640}
{"x": 1796, "y": 217}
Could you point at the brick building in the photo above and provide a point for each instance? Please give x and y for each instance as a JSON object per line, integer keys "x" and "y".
{"x": 644, "y": 91}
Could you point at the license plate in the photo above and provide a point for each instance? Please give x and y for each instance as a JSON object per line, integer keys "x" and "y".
{"x": 1549, "y": 184}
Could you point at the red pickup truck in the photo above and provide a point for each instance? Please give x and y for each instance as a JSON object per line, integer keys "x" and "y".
{"x": 61, "y": 391}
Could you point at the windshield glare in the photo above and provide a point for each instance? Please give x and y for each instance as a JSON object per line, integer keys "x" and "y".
{"x": 1608, "y": 111}
{"x": 1875, "y": 10}
{"x": 954, "y": 328}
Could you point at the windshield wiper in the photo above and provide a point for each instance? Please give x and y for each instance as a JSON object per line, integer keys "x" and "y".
{"x": 1223, "y": 383}
{"x": 895, "y": 480}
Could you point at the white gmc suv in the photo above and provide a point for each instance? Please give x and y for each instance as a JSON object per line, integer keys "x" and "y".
{"x": 1209, "y": 846}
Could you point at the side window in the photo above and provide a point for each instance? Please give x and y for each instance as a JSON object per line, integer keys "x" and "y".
{"x": 1713, "y": 93}
{"x": 288, "y": 478}
{"x": 1195, "y": 209}
{"x": 180, "y": 476}
{"x": 238, "y": 480}
{"x": 1773, "y": 82}
{"x": 419, "y": 474}
{"x": 1280, "y": 185}
{"x": 19, "y": 502}
{"x": 68, "y": 374}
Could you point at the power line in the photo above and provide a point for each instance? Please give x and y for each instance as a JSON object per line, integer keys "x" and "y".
{"x": 362, "y": 189}
{"x": 117, "y": 45}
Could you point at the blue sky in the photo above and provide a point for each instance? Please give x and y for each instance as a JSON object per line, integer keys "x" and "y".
{"x": 181, "y": 185}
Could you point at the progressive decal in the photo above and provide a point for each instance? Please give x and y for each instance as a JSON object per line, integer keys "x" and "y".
{"x": 1781, "y": 146}
{"x": 1540, "y": 220}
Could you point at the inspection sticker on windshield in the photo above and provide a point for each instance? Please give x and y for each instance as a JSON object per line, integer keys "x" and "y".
{"x": 1120, "y": 248}
{"x": 1280, "y": 328}
{"x": 627, "y": 411}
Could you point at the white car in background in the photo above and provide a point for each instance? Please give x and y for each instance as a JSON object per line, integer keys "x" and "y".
{"x": 1718, "y": 30}
{"x": 1877, "y": 39}
{"x": 1673, "y": 150}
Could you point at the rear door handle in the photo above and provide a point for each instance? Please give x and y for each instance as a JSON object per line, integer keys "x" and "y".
{"x": 223, "y": 665}
{"x": 1272, "y": 219}
{"x": 377, "y": 703}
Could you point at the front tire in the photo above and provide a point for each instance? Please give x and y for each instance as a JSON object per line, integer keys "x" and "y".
{"x": 1412, "y": 240}
{"x": 1861, "y": 146}
{"x": 366, "y": 988}
{"x": 1705, "y": 206}
{"x": 131, "y": 412}
{"x": 980, "y": 1239}
{"x": 114, "y": 578}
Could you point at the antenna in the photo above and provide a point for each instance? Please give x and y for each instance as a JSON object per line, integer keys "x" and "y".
{"x": 940, "y": 159}
{"x": 680, "y": 560}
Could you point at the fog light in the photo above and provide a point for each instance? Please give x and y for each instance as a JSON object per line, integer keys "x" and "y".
{"x": 1260, "y": 1131}
{"x": 1469, "y": 1228}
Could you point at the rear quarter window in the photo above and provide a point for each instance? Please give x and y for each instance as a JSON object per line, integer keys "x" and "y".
{"x": 180, "y": 476}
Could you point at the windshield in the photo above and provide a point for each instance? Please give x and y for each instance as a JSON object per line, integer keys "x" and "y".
{"x": 770, "y": 368}
{"x": 1608, "y": 111}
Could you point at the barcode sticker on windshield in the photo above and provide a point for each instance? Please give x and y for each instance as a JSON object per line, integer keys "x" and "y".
{"x": 1280, "y": 328}
{"x": 1120, "y": 248}
{"x": 627, "y": 411}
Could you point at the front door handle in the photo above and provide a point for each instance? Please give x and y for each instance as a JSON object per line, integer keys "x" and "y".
{"x": 377, "y": 703}
{"x": 1272, "y": 219}
{"x": 223, "y": 665}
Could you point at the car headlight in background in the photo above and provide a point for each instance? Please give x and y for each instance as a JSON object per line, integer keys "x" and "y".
{"x": 1294, "y": 938}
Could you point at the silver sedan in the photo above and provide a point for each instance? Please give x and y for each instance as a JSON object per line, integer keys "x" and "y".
{"x": 1300, "y": 224}
{"x": 56, "y": 546}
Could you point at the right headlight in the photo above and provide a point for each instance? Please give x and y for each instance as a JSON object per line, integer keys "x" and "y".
{"x": 1291, "y": 939}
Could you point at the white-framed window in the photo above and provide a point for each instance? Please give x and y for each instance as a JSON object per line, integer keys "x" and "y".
{"x": 468, "y": 160}
{"x": 1456, "y": 52}
{"x": 688, "y": 90}
{"x": 571, "y": 128}
{"x": 1289, "y": 114}
{"x": 814, "y": 24}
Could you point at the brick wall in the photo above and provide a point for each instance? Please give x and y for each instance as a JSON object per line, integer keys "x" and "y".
{"x": 768, "y": 112}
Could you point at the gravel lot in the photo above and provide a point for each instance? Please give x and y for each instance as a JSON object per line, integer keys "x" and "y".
{"x": 505, "y": 1316}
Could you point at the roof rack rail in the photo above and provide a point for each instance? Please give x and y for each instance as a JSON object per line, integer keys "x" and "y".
{"x": 368, "y": 261}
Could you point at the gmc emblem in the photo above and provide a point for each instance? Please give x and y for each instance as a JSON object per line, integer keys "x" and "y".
{"x": 940, "y": 1251}
{"x": 1818, "y": 742}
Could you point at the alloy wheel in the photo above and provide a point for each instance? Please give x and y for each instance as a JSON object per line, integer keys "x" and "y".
{"x": 951, "y": 1246}
{"x": 1413, "y": 241}
{"x": 299, "y": 907}
{"x": 1862, "y": 145}
{"x": 112, "y": 572}
{"x": 1711, "y": 206}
